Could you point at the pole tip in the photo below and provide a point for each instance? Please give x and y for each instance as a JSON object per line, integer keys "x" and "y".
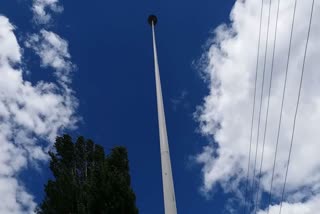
{"x": 152, "y": 19}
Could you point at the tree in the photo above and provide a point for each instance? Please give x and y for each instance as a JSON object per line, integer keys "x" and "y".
{"x": 86, "y": 181}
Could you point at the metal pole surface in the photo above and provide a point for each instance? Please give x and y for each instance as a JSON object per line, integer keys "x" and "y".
{"x": 167, "y": 179}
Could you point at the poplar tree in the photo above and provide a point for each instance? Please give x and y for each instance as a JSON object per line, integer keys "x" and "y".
{"x": 87, "y": 181}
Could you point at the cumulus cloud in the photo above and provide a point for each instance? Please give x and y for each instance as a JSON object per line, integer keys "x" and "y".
{"x": 40, "y": 10}
{"x": 30, "y": 113}
{"x": 229, "y": 65}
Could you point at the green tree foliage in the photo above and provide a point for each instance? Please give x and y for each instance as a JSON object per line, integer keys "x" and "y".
{"x": 86, "y": 181}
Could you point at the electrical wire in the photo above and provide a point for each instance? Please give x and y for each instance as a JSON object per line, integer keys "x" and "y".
{"x": 282, "y": 104}
{"x": 261, "y": 97}
{"x": 268, "y": 103}
{"x": 253, "y": 108}
{"x": 297, "y": 105}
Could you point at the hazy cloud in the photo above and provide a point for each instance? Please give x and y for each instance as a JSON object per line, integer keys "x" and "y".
{"x": 179, "y": 100}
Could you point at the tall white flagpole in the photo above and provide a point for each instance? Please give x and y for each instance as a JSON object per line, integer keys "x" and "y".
{"x": 167, "y": 180}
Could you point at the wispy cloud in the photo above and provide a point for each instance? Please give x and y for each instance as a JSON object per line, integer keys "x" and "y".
{"x": 30, "y": 113}
{"x": 180, "y": 100}
{"x": 43, "y": 9}
{"x": 225, "y": 114}
{"x": 53, "y": 52}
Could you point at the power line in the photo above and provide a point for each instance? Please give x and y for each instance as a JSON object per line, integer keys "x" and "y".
{"x": 268, "y": 103}
{"x": 261, "y": 98}
{"x": 282, "y": 104}
{"x": 253, "y": 108}
{"x": 297, "y": 106}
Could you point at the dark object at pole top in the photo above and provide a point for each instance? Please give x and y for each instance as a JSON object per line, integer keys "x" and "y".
{"x": 152, "y": 19}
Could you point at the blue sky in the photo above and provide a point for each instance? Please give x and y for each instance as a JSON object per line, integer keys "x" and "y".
{"x": 110, "y": 43}
{"x": 86, "y": 68}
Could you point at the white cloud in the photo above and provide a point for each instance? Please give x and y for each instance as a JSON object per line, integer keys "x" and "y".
{"x": 53, "y": 52}
{"x": 312, "y": 206}
{"x": 226, "y": 112}
{"x": 29, "y": 113}
{"x": 15, "y": 199}
{"x": 40, "y": 10}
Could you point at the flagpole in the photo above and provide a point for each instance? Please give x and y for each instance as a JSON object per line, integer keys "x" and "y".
{"x": 167, "y": 179}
